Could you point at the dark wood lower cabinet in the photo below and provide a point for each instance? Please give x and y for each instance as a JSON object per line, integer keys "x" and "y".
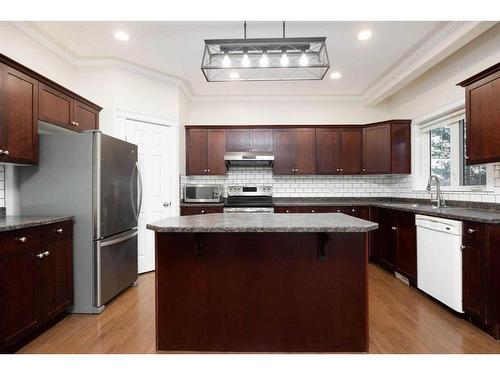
{"x": 36, "y": 280}
{"x": 201, "y": 209}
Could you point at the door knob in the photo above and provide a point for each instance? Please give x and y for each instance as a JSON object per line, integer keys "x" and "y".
{"x": 166, "y": 204}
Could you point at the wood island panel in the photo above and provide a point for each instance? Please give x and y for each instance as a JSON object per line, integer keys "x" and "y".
{"x": 261, "y": 292}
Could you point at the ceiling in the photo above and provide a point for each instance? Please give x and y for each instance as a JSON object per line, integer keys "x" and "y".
{"x": 175, "y": 48}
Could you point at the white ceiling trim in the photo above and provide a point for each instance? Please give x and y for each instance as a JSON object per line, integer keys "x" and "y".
{"x": 276, "y": 98}
{"x": 440, "y": 45}
{"x": 84, "y": 62}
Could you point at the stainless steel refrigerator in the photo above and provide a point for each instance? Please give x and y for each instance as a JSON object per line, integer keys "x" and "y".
{"x": 95, "y": 178}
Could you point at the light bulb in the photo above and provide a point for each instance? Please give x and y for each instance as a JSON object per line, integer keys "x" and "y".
{"x": 284, "y": 59}
{"x": 245, "y": 61}
{"x": 304, "y": 60}
{"x": 264, "y": 61}
{"x": 226, "y": 61}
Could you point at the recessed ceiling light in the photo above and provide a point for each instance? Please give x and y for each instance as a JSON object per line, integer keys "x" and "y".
{"x": 234, "y": 75}
{"x": 364, "y": 35}
{"x": 335, "y": 75}
{"x": 122, "y": 36}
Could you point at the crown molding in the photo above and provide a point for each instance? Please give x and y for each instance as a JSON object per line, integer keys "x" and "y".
{"x": 445, "y": 41}
{"x": 93, "y": 62}
{"x": 276, "y": 98}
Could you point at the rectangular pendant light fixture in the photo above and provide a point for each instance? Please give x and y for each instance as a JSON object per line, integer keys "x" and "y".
{"x": 265, "y": 59}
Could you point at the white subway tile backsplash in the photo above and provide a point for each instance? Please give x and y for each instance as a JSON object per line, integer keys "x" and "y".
{"x": 337, "y": 186}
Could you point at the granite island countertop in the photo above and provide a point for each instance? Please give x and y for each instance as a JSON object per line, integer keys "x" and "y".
{"x": 245, "y": 223}
{"x": 489, "y": 216}
{"x": 20, "y": 222}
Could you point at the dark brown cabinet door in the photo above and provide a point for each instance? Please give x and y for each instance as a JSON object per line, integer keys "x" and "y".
{"x": 238, "y": 140}
{"x": 284, "y": 159}
{"x": 473, "y": 269}
{"x": 55, "y": 107}
{"x": 84, "y": 117}
{"x": 377, "y": 149}
{"x": 196, "y": 151}
{"x": 261, "y": 140}
{"x": 482, "y": 103}
{"x": 57, "y": 270}
{"x": 19, "y": 285}
{"x": 18, "y": 117}
{"x": 327, "y": 151}
{"x": 305, "y": 151}
{"x": 351, "y": 151}
{"x": 406, "y": 246}
{"x": 400, "y": 148}
{"x": 216, "y": 148}
{"x": 383, "y": 239}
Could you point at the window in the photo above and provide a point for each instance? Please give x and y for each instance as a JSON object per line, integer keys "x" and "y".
{"x": 447, "y": 146}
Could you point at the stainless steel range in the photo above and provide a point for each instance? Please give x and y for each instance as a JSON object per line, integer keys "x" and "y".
{"x": 249, "y": 199}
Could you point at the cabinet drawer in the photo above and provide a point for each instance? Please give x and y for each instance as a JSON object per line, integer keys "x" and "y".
{"x": 22, "y": 239}
{"x": 474, "y": 233}
{"x": 201, "y": 210}
{"x": 56, "y": 232}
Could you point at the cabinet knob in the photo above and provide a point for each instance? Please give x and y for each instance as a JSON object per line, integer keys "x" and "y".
{"x": 470, "y": 230}
{"x": 287, "y": 211}
{"x": 466, "y": 157}
{"x": 6, "y": 152}
{"x": 77, "y": 124}
{"x": 338, "y": 211}
{"x": 1, "y": 152}
{"x": 394, "y": 228}
{"x": 22, "y": 239}
{"x": 39, "y": 255}
{"x": 338, "y": 170}
{"x": 364, "y": 169}
{"x": 341, "y": 169}
{"x": 353, "y": 210}
{"x": 208, "y": 170}
{"x": 202, "y": 211}
{"x": 462, "y": 247}
{"x": 46, "y": 253}
{"x": 204, "y": 171}
{"x": 312, "y": 211}
{"x": 59, "y": 230}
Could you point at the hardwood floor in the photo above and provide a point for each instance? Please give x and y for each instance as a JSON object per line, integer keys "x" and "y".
{"x": 402, "y": 320}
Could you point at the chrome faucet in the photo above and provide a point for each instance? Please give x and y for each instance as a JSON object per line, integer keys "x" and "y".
{"x": 439, "y": 195}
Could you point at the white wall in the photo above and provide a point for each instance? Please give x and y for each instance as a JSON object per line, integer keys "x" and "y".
{"x": 184, "y": 111}
{"x": 279, "y": 112}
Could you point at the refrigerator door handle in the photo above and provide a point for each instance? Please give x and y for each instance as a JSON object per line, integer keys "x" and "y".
{"x": 119, "y": 239}
{"x": 139, "y": 175}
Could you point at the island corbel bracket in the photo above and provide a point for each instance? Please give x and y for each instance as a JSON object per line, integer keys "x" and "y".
{"x": 323, "y": 239}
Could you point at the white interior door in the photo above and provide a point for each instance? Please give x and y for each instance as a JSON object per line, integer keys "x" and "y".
{"x": 153, "y": 142}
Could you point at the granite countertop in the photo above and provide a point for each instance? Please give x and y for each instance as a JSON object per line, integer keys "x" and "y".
{"x": 220, "y": 223}
{"x": 420, "y": 207}
{"x": 213, "y": 204}
{"x": 19, "y": 222}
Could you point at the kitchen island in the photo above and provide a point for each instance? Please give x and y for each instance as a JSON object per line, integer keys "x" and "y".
{"x": 262, "y": 283}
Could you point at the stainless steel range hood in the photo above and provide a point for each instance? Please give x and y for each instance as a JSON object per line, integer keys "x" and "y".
{"x": 249, "y": 159}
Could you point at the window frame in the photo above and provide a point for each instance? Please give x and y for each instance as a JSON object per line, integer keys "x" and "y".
{"x": 421, "y": 159}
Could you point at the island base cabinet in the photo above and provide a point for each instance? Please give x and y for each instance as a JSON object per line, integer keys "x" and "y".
{"x": 261, "y": 292}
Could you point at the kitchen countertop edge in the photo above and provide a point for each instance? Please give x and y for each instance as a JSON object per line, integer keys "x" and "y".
{"x": 8, "y": 223}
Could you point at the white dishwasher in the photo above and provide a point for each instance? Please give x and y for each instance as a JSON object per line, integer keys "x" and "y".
{"x": 439, "y": 259}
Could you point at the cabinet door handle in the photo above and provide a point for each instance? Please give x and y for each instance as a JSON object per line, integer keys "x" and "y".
{"x": 59, "y": 230}
{"x": 22, "y": 239}
{"x": 470, "y": 230}
{"x": 39, "y": 255}
{"x": 462, "y": 247}
{"x": 46, "y": 253}
{"x": 466, "y": 156}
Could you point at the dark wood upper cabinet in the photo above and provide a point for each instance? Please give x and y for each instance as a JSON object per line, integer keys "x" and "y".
{"x": 294, "y": 151}
{"x": 216, "y": 141}
{"x": 84, "y": 116}
{"x": 253, "y": 140}
{"x": 55, "y": 107}
{"x": 238, "y": 140}
{"x": 18, "y": 117}
{"x": 377, "y": 149}
{"x": 305, "y": 151}
{"x": 327, "y": 151}
{"x": 387, "y": 148}
{"x": 351, "y": 141}
{"x": 482, "y": 104}
{"x": 205, "y": 149}
{"x": 284, "y": 154}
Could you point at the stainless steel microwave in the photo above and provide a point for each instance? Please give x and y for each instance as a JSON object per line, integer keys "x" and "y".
{"x": 202, "y": 193}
